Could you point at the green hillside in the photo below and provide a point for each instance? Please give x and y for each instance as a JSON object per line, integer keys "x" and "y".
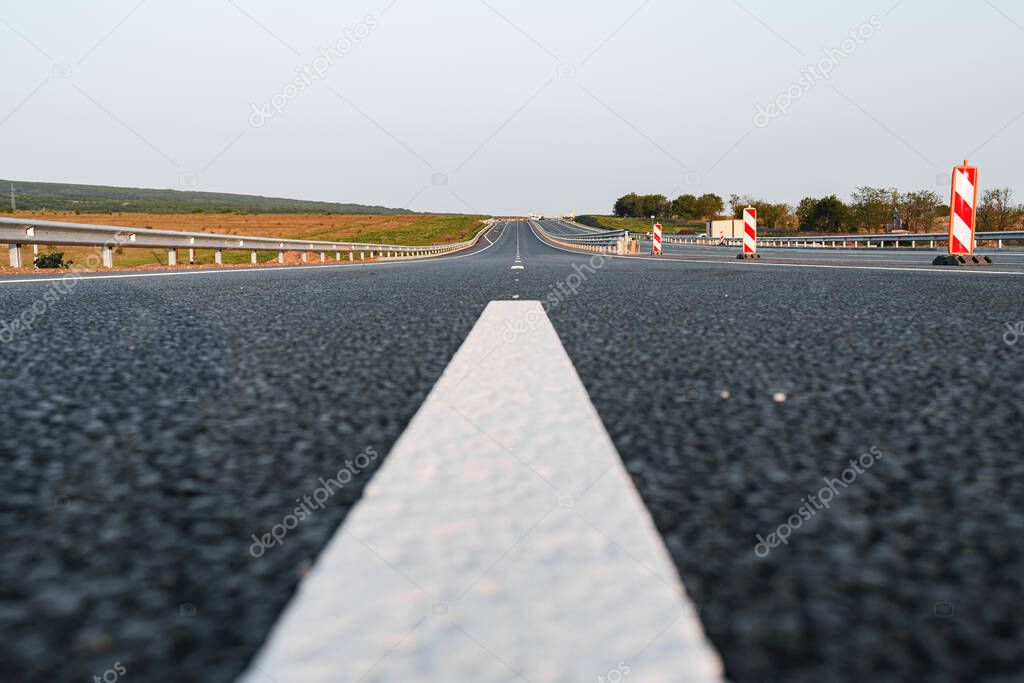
{"x": 99, "y": 198}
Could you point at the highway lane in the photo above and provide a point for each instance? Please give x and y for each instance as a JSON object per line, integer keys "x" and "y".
{"x": 1005, "y": 261}
{"x": 152, "y": 425}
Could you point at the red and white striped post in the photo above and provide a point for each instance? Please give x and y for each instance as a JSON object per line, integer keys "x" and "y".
{"x": 656, "y": 237}
{"x": 749, "y": 234}
{"x": 963, "y": 210}
{"x": 963, "y": 218}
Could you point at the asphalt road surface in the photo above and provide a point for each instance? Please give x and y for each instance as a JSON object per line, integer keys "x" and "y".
{"x": 151, "y": 425}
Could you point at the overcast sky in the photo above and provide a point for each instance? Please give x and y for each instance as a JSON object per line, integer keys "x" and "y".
{"x": 504, "y": 106}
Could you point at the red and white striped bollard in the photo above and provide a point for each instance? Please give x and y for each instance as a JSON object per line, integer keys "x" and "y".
{"x": 749, "y": 234}
{"x": 963, "y": 218}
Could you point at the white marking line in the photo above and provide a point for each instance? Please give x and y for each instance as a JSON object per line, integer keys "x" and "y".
{"x": 669, "y": 259}
{"x": 179, "y": 273}
{"x": 501, "y": 540}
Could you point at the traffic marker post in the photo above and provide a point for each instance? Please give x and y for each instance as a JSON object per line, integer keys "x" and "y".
{"x": 749, "y": 235}
{"x": 963, "y": 218}
{"x": 656, "y": 240}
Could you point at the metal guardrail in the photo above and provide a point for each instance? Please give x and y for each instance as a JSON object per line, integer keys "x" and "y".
{"x": 609, "y": 243}
{"x": 609, "y": 238}
{"x": 592, "y": 235}
{"x": 847, "y": 241}
{"x": 579, "y": 226}
{"x": 20, "y": 231}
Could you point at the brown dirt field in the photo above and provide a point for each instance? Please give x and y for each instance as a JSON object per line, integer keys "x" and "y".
{"x": 342, "y": 228}
{"x": 306, "y": 226}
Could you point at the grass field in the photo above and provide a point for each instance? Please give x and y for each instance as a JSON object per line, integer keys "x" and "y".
{"x": 406, "y": 229}
{"x": 641, "y": 224}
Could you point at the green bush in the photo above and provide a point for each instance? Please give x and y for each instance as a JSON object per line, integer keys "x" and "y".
{"x": 54, "y": 259}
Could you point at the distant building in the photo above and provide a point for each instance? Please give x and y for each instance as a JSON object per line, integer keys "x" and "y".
{"x": 727, "y": 228}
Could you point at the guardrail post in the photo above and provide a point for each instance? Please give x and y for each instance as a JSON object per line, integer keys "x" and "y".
{"x": 218, "y": 256}
{"x": 305, "y": 257}
{"x": 999, "y": 244}
{"x": 108, "y": 256}
{"x": 351, "y": 256}
{"x": 252, "y": 257}
{"x": 362, "y": 256}
{"x": 15, "y": 256}
{"x": 172, "y": 257}
{"x": 191, "y": 256}
{"x": 323, "y": 257}
{"x": 280, "y": 257}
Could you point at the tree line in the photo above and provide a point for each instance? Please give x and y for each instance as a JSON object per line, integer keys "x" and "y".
{"x": 870, "y": 209}
{"x": 688, "y": 206}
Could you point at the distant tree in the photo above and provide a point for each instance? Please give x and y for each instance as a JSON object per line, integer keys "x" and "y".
{"x": 917, "y": 210}
{"x": 871, "y": 209}
{"x": 997, "y": 211}
{"x": 627, "y": 206}
{"x": 709, "y": 205}
{"x": 827, "y": 214}
{"x": 738, "y": 202}
{"x": 774, "y": 216}
{"x": 653, "y": 205}
{"x": 686, "y": 206}
{"x": 805, "y": 213}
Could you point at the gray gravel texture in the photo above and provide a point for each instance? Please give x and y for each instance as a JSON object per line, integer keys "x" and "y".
{"x": 151, "y": 426}
{"x": 914, "y": 365}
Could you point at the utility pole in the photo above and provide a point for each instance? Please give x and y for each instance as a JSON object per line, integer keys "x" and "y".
{"x": 14, "y": 206}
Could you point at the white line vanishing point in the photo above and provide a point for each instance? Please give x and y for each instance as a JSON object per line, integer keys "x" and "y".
{"x": 501, "y": 540}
